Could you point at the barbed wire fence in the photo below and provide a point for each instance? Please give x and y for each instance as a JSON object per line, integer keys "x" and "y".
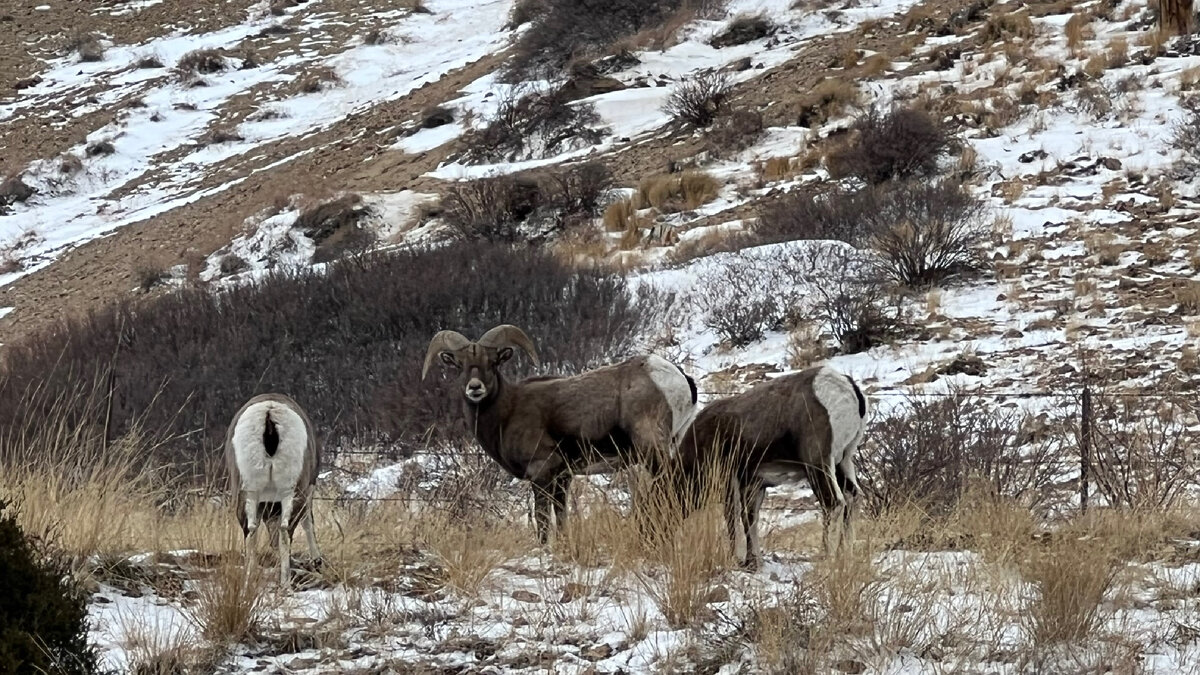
{"x": 1118, "y": 455}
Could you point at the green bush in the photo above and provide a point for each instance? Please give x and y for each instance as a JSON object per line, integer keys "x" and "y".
{"x": 43, "y": 616}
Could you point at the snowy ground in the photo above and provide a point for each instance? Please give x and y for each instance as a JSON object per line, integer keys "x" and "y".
{"x": 1080, "y": 171}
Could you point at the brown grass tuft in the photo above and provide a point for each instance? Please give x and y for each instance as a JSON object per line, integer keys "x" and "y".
{"x": 673, "y": 192}
{"x": 1072, "y": 577}
{"x": 231, "y": 604}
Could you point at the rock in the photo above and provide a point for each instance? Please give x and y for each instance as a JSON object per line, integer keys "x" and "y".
{"x": 27, "y": 82}
{"x": 1012, "y": 333}
{"x": 965, "y": 364}
{"x": 1032, "y": 155}
{"x": 851, "y": 666}
{"x": 1111, "y": 163}
{"x": 573, "y": 591}
{"x": 582, "y": 86}
{"x": 597, "y": 652}
{"x": 741, "y": 64}
{"x": 716, "y": 594}
{"x": 526, "y": 596}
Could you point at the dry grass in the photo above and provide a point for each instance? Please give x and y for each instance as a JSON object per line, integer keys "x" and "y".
{"x": 876, "y": 65}
{"x": 828, "y": 99}
{"x": 673, "y": 192}
{"x": 1078, "y": 29}
{"x": 1004, "y": 26}
{"x": 154, "y": 647}
{"x": 1186, "y": 293}
{"x": 1118, "y": 52}
{"x": 468, "y": 551}
{"x": 231, "y": 604}
{"x": 1067, "y": 607}
{"x": 804, "y": 346}
{"x": 618, "y": 214}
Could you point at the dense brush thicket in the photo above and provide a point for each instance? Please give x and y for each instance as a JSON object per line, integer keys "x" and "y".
{"x": 43, "y": 617}
{"x": 347, "y": 344}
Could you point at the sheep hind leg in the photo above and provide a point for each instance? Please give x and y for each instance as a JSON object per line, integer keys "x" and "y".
{"x": 847, "y": 478}
{"x": 249, "y": 526}
{"x": 285, "y": 538}
{"x": 314, "y": 551}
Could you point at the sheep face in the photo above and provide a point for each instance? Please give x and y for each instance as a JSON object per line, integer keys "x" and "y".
{"x": 479, "y": 367}
{"x": 478, "y": 361}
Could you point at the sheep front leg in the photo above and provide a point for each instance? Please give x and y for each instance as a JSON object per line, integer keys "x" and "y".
{"x": 752, "y": 496}
{"x": 560, "y": 488}
{"x": 309, "y": 532}
{"x": 542, "y": 507}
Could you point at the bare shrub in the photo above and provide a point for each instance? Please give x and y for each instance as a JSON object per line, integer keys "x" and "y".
{"x": 149, "y": 276}
{"x": 201, "y": 62}
{"x": 926, "y": 233}
{"x": 897, "y": 144}
{"x": 700, "y": 100}
{"x": 741, "y": 300}
{"x": 533, "y": 124}
{"x": 88, "y": 47}
{"x": 1144, "y": 449}
{"x": 148, "y": 62}
{"x": 1185, "y": 133}
{"x": 578, "y": 189}
{"x": 932, "y": 449}
{"x": 809, "y": 213}
{"x": 491, "y": 209}
{"x": 744, "y": 28}
{"x": 860, "y": 307}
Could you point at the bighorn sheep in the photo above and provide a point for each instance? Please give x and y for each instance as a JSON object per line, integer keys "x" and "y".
{"x": 273, "y": 456}
{"x": 801, "y": 425}
{"x": 548, "y": 429}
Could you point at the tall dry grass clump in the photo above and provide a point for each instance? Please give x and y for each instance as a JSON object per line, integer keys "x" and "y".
{"x": 1072, "y": 577}
{"x": 231, "y": 604}
{"x": 685, "y": 541}
{"x": 70, "y": 486}
{"x": 674, "y": 192}
{"x": 468, "y": 550}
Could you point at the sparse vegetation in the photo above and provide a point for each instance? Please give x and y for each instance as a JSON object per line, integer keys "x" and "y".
{"x": 926, "y": 233}
{"x": 529, "y": 124}
{"x": 700, "y": 100}
{"x": 671, "y": 192}
{"x": 897, "y": 144}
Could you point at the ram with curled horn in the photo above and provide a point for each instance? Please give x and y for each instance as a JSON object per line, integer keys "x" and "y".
{"x": 549, "y": 429}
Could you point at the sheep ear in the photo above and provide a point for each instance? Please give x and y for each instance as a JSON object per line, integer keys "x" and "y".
{"x": 504, "y": 354}
{"x": 448, "y": 359}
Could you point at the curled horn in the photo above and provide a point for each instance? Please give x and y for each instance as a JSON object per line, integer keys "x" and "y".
{"x": 507, "y": 335}
{"x": 444, "y": 340}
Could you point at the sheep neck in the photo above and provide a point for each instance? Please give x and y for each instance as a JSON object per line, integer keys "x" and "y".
{"x": 488, "y": 419}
